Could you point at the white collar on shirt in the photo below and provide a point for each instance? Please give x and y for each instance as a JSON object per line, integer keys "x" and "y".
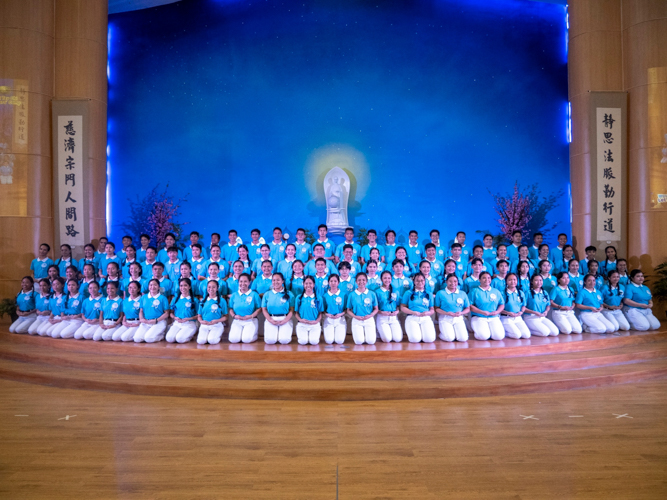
{"x": 246, "y": 293}
{"x": 332, "y": 294}
{"x": 359, "y": 293}
{"x": 452, "y": 293}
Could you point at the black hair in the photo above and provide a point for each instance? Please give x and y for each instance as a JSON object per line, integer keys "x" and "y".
{"x": 265, "y": 245}
{"x": 169, "y": 234}
{"x": 518, "y": 288}
{"x": 344, "y": 265}
{"x": 113, "y": 245}
{"x": 428, "y": 245}
{"x": 160, "y": 264}
{"x": 322, "y": 226}
{"x": 606, "y": 259}
{"x": 407, "y": 260}
{"x": 131, "y": 246}
{"x": 53, "y": 266}
{"x": 597, "y": 273}
{"x": 151, "y": 247}
{"x": 635, "y": 272}
{"x": 232, "y": 231}
{"x": 197, "y": 245}
{"x": 372, "y": 231}
{"x": 532, "y": 292}
{"x": 391, "y": 288}
{"x": 412, "y": 231}
{"x": 87, "y": 245}
{"x": 389, "y": 231}
{"x": 476, "y": 247}
{"x": 144, "y": 235}
{"x": 349, "y": 229}
{"x": 398, "y": 261}
{"x": 172, "y": 249}
{"x": 618, "y": 286}
{"x": 318, "y": 245}
{"x": 460, "y": 232}
{"x": 277, "y": 229}
{"x": 196, "y": 233}
{"x": 503, "y": 261}
{"x": 501, "y": 245}
{"x": 67, "y": 245}
{"x": 456, "y": 245}
{"x": 434, "y": 231}
{"x": 48, "y": 247}
{"x": 184, "y": 263}
{"x": 215, "y": 234}
{"x": 346, "y": 246}
{"x": 537, "y": 234}
{"x": 141, "y": 268}
{"x": 414, "y": 290}
{"x": 285, "y": 292}
{"x": 516, "y": 231}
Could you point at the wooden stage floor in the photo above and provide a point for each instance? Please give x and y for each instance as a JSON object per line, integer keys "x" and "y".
{"x": 477, "y": 421}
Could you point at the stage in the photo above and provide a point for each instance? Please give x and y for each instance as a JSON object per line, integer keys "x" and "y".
{"x": 340, "y": 372}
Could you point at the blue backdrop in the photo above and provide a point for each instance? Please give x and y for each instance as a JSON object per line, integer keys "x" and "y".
{"x": 242, "y": 106}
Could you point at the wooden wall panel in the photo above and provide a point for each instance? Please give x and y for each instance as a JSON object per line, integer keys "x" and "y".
{"x": 594, "y": 15}
{"x": 594, "y": 62}
{"x": 27, "y": 55}
{"x": 644, "y": 47}
{"x": 32, "y": 15}
{"x": 639, "y": 11}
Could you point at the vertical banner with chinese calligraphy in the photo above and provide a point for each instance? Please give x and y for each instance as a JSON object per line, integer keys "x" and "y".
{"x": 608, "y": 151}
{"x": 70, "y": 183}
{"x": 14, "y": 158}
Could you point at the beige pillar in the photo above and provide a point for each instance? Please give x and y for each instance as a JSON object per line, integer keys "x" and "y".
{"x": 47, "y": 49}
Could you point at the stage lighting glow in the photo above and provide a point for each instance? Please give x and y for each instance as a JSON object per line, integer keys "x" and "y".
{"x": 569, "y": 122}
{"x": 351, "y": 160}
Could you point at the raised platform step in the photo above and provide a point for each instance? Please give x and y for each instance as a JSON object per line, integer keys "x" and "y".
{"x": 329, "y": 390}
{"x": 343, "y": 370}
{"x": 380, "y": 352}
{"x": 348, "y": 372}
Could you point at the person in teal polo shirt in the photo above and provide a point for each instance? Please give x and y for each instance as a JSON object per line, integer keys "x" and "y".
{"x": 452, "y": 305}
{"x": 638, "y": 302}
{"x": 362, "y": 306}
{"x": 244, "y": 307}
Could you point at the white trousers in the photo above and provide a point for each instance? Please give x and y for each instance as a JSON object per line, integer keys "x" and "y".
{"x": 102, "y": 334}
{"x": 22, "y": 324}
{"x": 364, "y": 331}
{"x": 66, "y": 329}
{"x": 244, "y": 330}
{"x": 125, "y": 333}
{"x": 389, "y": 328}
{"x": 282, "y": 333}
{"x": 181, "y": 332}
{"x": 515, "y": 328}
{"x": 85, "y": 331}
{"x": 46, "y": 327}
{"x": 32, "y": 330}
{"x": 617, "y": 319}
{"x": 541, "y": 327}
{"x": 419, "y": 328}
{"x": 308, "y": 334}
{"x": 595, "y": 322}
{"x": 453, "y": 328}
{"x": 566, "y": 321}
{"x": 488, "y": 327}
{"x": 210, "y": 334}
{"x": 641, "y": 319}
{"x": 150, "y": 333}
{"x": 335, "y": 330}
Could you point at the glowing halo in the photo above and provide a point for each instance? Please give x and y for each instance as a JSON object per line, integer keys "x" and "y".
{"x": 324, "y": 158}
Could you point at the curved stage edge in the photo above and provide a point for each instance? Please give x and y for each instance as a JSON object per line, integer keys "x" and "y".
{"x": 337, "y": 373}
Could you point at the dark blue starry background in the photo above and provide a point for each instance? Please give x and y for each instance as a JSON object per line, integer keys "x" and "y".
{"x": 428, "y": 104}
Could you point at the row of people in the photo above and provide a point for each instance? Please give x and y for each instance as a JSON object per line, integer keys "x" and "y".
{"x": 495, "y": 311}
{"x": 278, "y": 250}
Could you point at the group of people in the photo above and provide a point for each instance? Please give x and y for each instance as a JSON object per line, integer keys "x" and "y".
{"x": 143, "y": 294}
